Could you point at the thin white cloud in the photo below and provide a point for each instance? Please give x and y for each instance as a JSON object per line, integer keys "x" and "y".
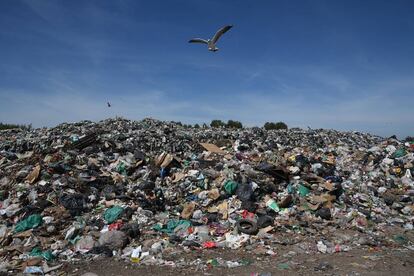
{"x": 364, "y": 113}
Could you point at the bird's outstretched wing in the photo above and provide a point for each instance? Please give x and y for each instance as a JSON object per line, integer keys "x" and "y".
{"x": 198, "y": 40}
{"x": 221, "y": 32}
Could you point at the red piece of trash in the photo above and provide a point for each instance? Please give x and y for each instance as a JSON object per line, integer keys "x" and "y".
{"x": 115, "y": 226}
{"x": 247, "y": 215}
{"x": 209, "y": 244}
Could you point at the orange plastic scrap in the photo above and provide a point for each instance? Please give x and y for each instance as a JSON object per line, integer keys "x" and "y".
{"x": 214, "y": 193}
{"x": 34, "y": 175}
{"x": 228, "y": 156}
{"x": 328, "y": 185}
{"x": 255, "y": 157}
{"x": 305, "y": 205}
{"x": 160, "y": 159}
{"x": 188, "y": 210}
{"x": 325, "y": 199}
{"x": 209, "y": 244}
{"x": 177, "y": 177}
{"x": 223, "y": 209}
{"x": 212, "y": 148}
{"x": 164, "y": 159}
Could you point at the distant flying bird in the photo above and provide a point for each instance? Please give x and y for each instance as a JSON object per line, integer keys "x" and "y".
{"x": 109, "y": 105}
{"x": 211, "y": 43}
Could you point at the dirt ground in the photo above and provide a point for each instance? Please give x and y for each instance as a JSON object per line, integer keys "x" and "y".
{"x": 396, "y": 261}
{"x": 293, "y": 255}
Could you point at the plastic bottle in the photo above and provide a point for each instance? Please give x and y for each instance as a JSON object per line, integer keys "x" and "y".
{"x": 135, "y": 255}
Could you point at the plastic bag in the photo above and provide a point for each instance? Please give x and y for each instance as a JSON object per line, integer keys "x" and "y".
{"x": 30, "y": 222}
{"x": 172, "y": 225}
{"x": 47, "y": 255}
{"x": 113, "y": 213}
{"x": 230, "y": 187}
{"x": 245, "y": 192}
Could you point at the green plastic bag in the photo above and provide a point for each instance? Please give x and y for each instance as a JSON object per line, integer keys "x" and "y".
{"x": 30, "y": 222}
{"x": 303, "y": 191}
{"x": 290, "y": 189}
{"x": 230, "y": 187}
{"x": 113, "y": 213}
{"x": 271, "y": 203}
{"x": 172, "y": 225}
{"x": 399, "y": 153}
{"x": 213, "y": 262}
{"x": 74, "y": 240}
{"x": 400, "y": 239}
{"x": 121, "y": 168}
{"x": 186, "y": 163}
{"x": 47, "y": 255}
{"x": 283, "y": 266}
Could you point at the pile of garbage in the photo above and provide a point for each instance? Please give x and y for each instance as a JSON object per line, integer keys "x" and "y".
{"x": 134, "y": 189}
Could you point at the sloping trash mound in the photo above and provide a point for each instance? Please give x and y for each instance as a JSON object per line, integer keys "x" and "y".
{"x": 137, "y": 189}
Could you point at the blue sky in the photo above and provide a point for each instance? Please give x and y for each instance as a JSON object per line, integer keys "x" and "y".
{"x": 347, "y": 65}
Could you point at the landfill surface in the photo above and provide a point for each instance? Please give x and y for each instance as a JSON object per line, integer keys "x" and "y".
{"x": 150, "y": 195}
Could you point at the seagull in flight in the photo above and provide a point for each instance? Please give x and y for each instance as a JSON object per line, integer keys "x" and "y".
{"x": 211, "y": 43}
{"x": 109, "y": 104}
